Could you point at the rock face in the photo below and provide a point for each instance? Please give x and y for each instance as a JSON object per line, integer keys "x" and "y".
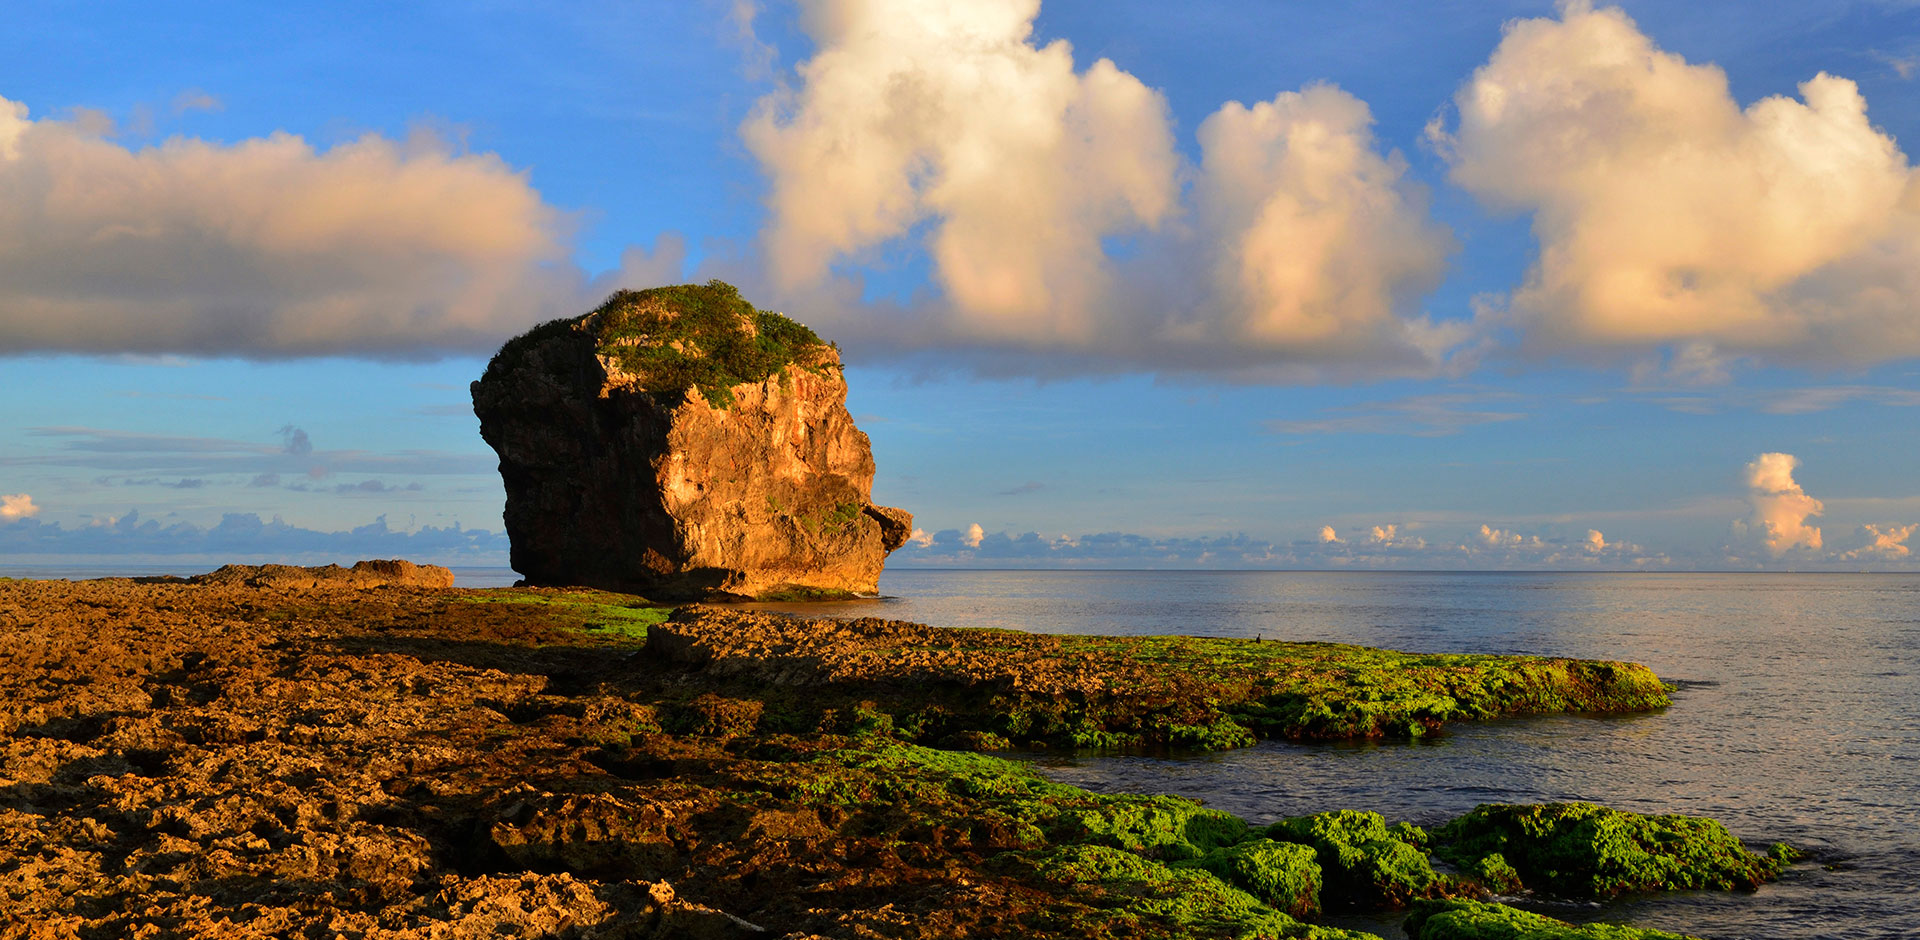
{"x": 676, "y": 442}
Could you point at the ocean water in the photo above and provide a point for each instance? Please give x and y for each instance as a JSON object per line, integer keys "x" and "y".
{"x": 1797, "y": 718}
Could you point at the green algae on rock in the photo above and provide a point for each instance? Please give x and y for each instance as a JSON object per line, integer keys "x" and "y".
{"x": 1474, "y": 920}
{"x": 1368, "y": 865}
{"x": 1283, "y": 875}
{"x": 704, "y": 338}
{"x": 1128, "y": 895}
{"x": 1094, "y": 692}
{"x": 1585, "y": 850}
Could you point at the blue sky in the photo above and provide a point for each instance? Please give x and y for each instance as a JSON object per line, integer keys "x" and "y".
{"x": 1454, "y": 285}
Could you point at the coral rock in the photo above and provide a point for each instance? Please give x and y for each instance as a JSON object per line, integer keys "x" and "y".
{"x": 676, "y": 442}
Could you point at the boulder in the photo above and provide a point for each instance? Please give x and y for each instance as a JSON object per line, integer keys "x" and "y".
{"x": 677, "y": 442}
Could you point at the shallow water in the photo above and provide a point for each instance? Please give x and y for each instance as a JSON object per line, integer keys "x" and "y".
{"x": 1798, "y": 717}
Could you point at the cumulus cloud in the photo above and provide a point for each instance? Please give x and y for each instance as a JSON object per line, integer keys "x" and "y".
{"x": 1885, "y": 542}
{"x": 927, "y": 110}
{"x": 1780, "y": 507}
{"x": 270, "y": 247}
{"x": 17, "y": 506}
{"x": 1329, "y": 536}
{"x": 920, "y": 537}
{"x": 974, "y": 534}
{"x": 1303, "y": 244}
{"x": 1668, "y": 216}
{"x": 1596, "y": 542}
{"x": 1502, "y": 538}
{"x": 1324, "y": 243}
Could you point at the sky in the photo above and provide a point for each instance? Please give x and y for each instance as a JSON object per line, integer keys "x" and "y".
{"x": 1495, "y": 285}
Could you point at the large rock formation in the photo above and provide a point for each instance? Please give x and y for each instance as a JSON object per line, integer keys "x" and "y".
{"x": 677, "y": 442}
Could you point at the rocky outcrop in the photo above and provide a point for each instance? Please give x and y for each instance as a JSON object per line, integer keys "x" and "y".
{"x": 676, "y": 442}
{"x": 380, "y": 572}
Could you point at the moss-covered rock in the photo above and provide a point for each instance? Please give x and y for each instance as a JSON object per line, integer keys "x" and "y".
{"x": 1494, "y": 874}
{"x": 1167, "y": 826}
{"x": 1189, "y": 900}
{"x": 1148, "y": 692}
{"x": 1584, "y": 850}
{"x": 699, "y": 337}
{"x": 1282, "y": 875}
{"x": 1473, "y": 920}
{"x": 1366, "y": 864}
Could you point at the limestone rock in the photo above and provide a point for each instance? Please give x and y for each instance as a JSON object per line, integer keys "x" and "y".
{"x": 380, "y": 572}
{"x": 676, "y": 442}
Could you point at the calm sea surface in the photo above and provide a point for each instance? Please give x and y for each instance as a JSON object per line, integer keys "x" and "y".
{"x": 1798, "y": 717}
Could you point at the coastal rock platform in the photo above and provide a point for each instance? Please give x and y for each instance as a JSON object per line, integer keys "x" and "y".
{"x": 214, "y": 760}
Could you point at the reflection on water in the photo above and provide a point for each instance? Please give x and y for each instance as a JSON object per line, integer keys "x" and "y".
{"x": 1797, "y": 720}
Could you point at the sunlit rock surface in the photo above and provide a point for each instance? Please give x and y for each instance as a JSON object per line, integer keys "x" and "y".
{"x": 676, "y": 442}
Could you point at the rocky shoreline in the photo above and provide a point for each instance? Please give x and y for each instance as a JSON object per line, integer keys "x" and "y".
{"x": 256, "y": 756}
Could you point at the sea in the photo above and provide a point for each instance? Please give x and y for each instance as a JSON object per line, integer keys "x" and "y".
{"x": 1797, "y": 715}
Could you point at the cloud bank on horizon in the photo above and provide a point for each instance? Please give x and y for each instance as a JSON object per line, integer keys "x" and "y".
{"x": 1776, "y": 528}
{"x": 1058, "y": 214}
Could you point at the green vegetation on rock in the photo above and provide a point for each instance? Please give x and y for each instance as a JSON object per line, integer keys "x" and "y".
{"x": 1003, "y": 688}
{"x": 601, "y": 612}
{"x": 1283, "y": 875}
{"x": 1134, "y": 893}
{"x": 1473, "y": 920}
{"x": 1583, "y": 850}
{"x": 1494, "y": 874}
{"x": 1168, "y": 827}
{"x": 700, "y": 336}
{"x": 1367, "y": 864}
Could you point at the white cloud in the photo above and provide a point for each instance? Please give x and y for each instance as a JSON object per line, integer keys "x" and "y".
{"x": 1596, "y": 542}
{"x": 920, "y": 537}
{"x": 1502, "y": 538}
{"x": 1887, "y": 542}
{"x": 1382, "y": 547}
{"x": 974, "y": 534}
{"x": 1780, "y": 507}
{"x": 271, "y": 247}
{"x": 1324, "y": 244}
{"x": 1669, "y": 216}
{"x": 17, "y": 506}
{"x": 1304, "y": 246}
{"x": 924, "y": 110}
